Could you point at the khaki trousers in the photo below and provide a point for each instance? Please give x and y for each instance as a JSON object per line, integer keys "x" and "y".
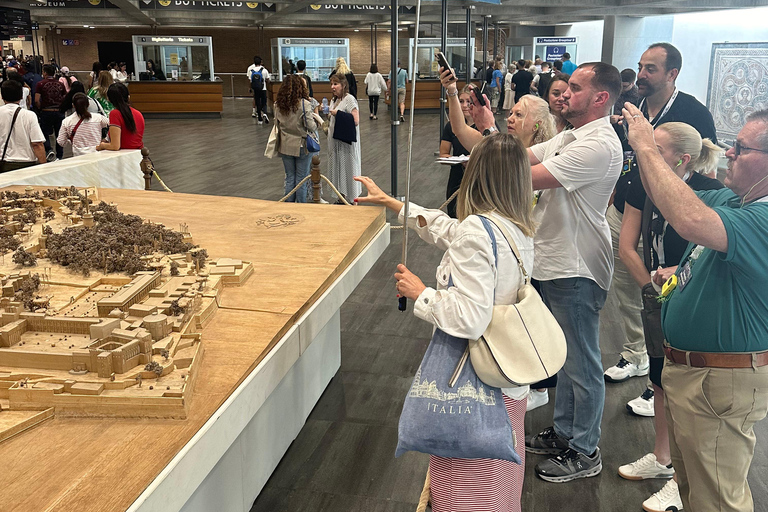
{"x": 710, "y": 413}
{"x": 629, "y": 296}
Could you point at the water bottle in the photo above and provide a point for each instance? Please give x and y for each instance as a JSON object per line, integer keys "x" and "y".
{"x": 325, "y": 106}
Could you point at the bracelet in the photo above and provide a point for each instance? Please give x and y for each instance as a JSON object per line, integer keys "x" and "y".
{"x": 452, "y": 95}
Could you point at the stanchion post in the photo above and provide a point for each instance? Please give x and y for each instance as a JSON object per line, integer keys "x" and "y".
{"x": 146, "y": 168}
{"x": 315, "y": 178}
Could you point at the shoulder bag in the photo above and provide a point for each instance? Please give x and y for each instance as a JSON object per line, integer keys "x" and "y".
{"x": 8, "y": 139}
{"x": 524, "y": 343}
{"x": 313, "y": 144}
{"x": 273, "y": 143}
{"x": 651, "y": 312}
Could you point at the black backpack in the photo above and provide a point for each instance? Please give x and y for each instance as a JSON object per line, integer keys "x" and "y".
{"x": 257, "y": 80}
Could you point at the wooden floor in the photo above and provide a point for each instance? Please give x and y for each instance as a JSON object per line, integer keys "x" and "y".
{"x": 343, "y": 459}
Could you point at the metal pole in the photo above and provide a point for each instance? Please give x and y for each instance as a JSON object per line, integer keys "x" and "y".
{"x": 376, "y": 42}
{"x": 485, "y": 43}
{"x": 470, "y": 34}
{"x": 372, "y": 43}
{"x": 443, "y": 48}
{"x": 495, "y": 40}
{"x": 393, "y": 105}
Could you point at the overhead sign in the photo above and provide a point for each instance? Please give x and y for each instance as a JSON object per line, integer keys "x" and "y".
{"x": 294, "y": 41}
{"x": 554, "y": 53}
{"x": 435, "y": 41}
{"x": 194, "y": 5}
{"x": 15, "y": 25}
{"x": 70, "y": 42}
{"x": 554, "y": 40}
{"x": 354, "y": 9}
{"x": 171, "y": 40}
{"x": 79, "y": 4}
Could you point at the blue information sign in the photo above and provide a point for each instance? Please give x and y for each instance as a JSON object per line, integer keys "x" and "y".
{"x": 554, "y": 53}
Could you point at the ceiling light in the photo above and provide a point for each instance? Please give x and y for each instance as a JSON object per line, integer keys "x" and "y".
{"x": 357, "y": 30}
{"x": 85, "y": 26}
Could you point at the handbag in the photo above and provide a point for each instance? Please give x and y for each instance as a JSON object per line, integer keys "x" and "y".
{"x": 273, "y": 143}
{"x": 523, "y": 344}
{"x": 313, "y": 144}
{"x": 467, "y": 419}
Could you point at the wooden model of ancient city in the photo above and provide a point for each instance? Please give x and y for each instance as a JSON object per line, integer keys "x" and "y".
{"x": 101, "y": 313}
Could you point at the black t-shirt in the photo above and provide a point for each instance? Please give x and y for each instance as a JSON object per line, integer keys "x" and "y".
{"x": 457, "y": 170}
{"x": 674, "y": 245}
{"x": 544, "y": 79}
{"x": 685, "y": 109}
{"x": 522, "y": 80}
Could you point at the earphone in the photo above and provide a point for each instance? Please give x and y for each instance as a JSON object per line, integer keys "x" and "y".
{"x": 536, "y": 126}
{"x": 679, "y": 163}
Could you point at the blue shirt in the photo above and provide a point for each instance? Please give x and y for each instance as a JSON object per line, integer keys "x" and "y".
{"x": 569, "y": 67}
{"x": 498, "y": 76}
{"x": 724, "y": 305}
{"x": 402, "y": 76}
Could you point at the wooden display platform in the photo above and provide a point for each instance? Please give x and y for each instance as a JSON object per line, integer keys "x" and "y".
{"x": 297, "y": 251}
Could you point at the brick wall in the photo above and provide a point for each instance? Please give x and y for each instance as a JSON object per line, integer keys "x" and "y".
{"x": 233, "y": 49}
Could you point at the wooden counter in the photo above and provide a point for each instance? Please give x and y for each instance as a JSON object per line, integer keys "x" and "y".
{"x": 170, "y": 97}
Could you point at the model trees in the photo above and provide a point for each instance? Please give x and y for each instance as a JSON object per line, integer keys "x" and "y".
{"x": 115, "y": 243}
{"x": 175, "y": 309}
{"x": 24, "y": 258}
{"x": 199, "y": 257}
{"x": 27, "y": 292}
{"x": 174, "y": 268}
{"x": 8, "y": 242}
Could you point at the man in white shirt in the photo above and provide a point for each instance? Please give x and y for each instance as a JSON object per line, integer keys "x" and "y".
{"x": 22, "y": 139}
{"x": 259, "y": 94}
{"x": 576, "y": 171}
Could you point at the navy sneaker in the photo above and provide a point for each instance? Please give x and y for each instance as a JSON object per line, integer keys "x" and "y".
{"x": 546, "y": 442}
{"x": 570, "y": 465}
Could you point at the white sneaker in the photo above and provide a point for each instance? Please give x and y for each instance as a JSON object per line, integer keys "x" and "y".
{"x": 624, "y": 370}
{"x": 266, "y": 120}
{"x": 668, "y": 498}
{"x": 645, "y": 467}
{"x": 253, "y": 114}
{"x": 261, "y": 122}
{"x": 537, "y": 399}
{"x": 642, "y": 405}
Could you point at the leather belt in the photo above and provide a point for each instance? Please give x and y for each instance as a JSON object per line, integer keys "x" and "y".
{"x": 716, "y": 359}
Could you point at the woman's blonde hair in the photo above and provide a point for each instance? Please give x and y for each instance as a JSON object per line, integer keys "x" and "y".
{"x": 105, "y": 80}
{"x": 498, "y": 179}
{"x": 341, "y": 66}
{"x": 684, "y": 139}
{"x": 536, "y": 110}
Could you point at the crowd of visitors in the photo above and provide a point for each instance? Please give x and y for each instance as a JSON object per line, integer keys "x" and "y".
{"x": 66, "y": 112}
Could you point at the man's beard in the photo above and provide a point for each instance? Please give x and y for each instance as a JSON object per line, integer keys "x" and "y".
{"x": 571, "y": 113}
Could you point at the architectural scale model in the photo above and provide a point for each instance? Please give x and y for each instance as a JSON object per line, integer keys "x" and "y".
{"x": 100, "y": 312}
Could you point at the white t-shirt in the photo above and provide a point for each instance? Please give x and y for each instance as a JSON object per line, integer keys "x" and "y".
{"x": 260, "y": 69}
{"x": 573, "y": 238}
{"x": 374, "y": 83}
{"x": 87, "y": 136}
{"x": 25, "y": 132}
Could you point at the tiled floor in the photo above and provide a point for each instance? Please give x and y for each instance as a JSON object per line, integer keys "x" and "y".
{"x": 343, "y": 459}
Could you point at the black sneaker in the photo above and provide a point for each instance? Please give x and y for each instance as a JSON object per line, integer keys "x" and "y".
{"x": 570, "y": 465}
{"x": 546, "y": 442}
{"x": 402, "y": 119}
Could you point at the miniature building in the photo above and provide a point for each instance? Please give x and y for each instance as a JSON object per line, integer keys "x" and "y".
{"x": 119, "y": 352}
{"x": 136, "y": 291}
{"x": 158, "y": 326}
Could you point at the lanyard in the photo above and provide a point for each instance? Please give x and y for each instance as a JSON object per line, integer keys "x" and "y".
{"x": 658, "y": 117}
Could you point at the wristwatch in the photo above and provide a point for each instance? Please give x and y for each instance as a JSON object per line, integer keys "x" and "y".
{"x": 489, "y": 131}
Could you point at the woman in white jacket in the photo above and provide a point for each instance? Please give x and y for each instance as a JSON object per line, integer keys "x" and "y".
{"x": 374, "y": 84}
{"x": 470, "y": 280}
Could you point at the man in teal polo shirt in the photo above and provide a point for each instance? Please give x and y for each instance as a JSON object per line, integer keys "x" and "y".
{"x": 715, "y": 318}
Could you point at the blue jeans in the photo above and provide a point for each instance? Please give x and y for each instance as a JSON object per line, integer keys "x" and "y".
{"x": 296, "y": 169}
{"x": 576, "y": 303}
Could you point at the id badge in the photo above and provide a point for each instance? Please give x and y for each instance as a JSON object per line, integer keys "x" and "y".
{"x": 684, "y": 276}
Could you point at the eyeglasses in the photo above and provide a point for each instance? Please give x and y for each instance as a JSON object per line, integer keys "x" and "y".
{"x": 738, "y": 148}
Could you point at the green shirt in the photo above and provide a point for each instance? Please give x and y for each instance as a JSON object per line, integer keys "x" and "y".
{"x": 104, "y": 102}
{"x": 724, "y": 306}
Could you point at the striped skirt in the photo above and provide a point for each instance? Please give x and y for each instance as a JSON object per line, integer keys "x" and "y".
{"x": 481, "y": 485}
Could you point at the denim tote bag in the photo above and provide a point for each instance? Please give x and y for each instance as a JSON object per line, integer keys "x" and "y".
{"x": 467, "y": 420}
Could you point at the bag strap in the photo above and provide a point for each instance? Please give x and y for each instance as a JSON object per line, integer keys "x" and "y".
{"x": 74, "y": 130}
{"x": 645, "y": 233}
{"x": 10, "y": 130}
{"x": 508, "y": 237}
